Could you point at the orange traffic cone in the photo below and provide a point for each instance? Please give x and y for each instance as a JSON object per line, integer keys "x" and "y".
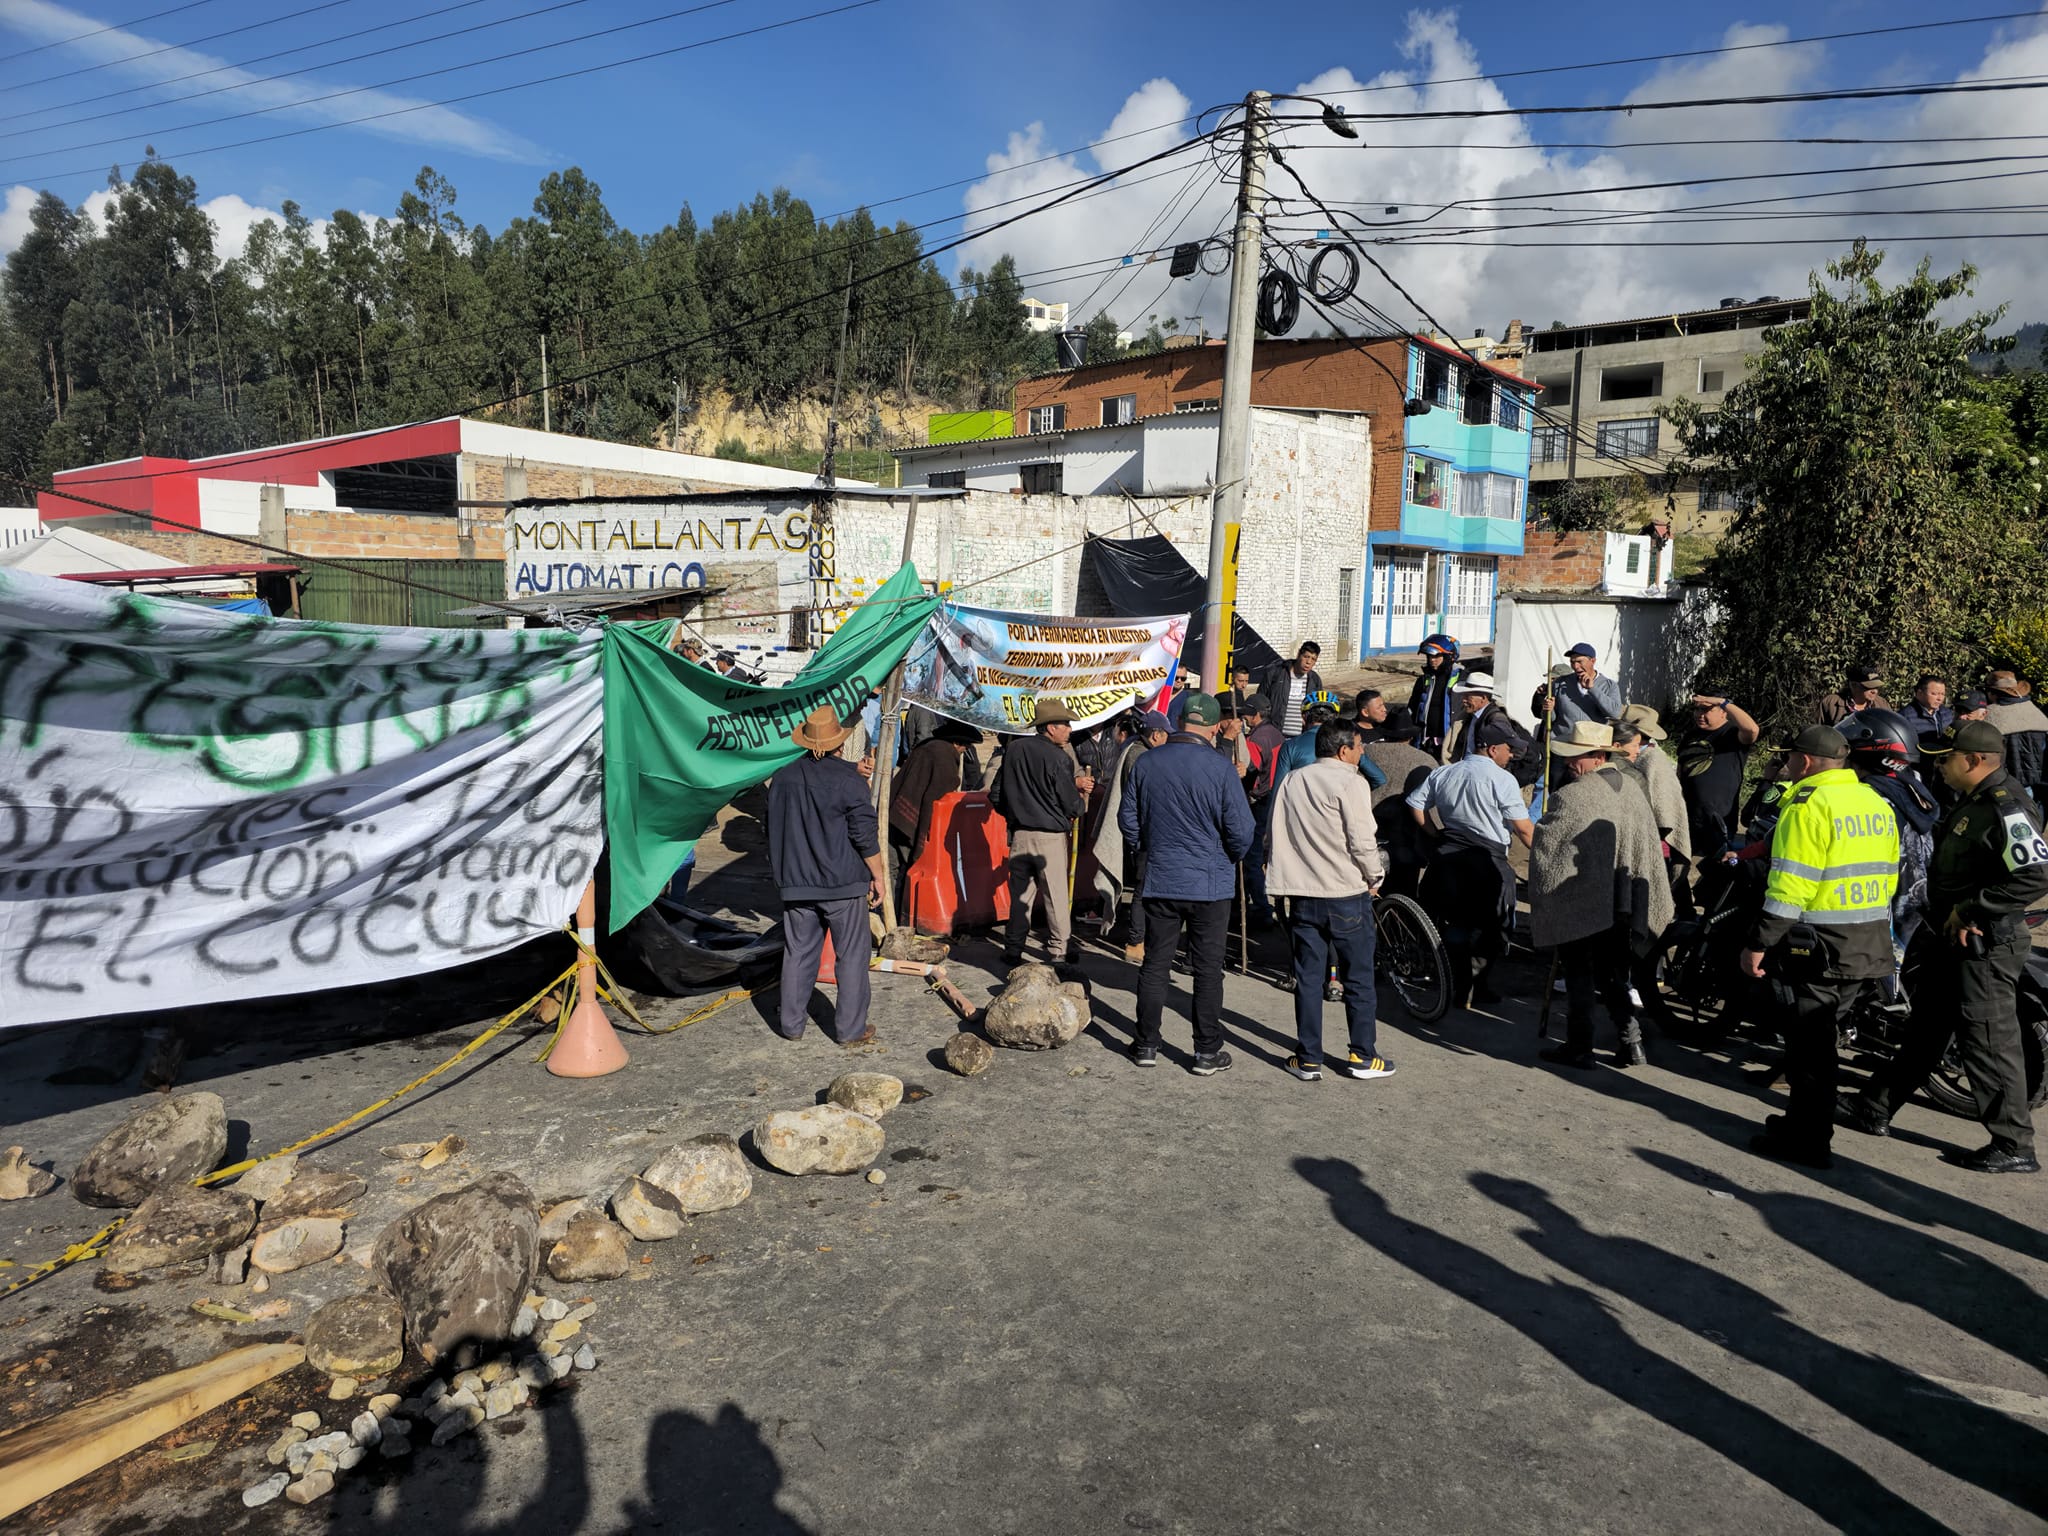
{"x": 828, "y": 964}
{"x": 588, "y": 1046}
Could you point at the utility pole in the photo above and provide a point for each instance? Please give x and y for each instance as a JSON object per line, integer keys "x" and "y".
{"x": 547, "y": 419}
{"x": 1233, "y": 431}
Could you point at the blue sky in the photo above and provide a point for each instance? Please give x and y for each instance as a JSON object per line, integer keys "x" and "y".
{"x": 896, "y": 96}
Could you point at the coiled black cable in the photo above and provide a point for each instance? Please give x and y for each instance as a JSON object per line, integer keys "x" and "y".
{"x": 1279, "y": 303}
{"x": 1344, "y": 287}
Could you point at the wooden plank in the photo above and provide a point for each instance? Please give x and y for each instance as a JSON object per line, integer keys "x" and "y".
{"x": 44, "y": 1457}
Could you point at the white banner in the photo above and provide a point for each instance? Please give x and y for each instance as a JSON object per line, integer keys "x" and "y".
{"x": 990, "y": 668}
{"x": 198, "y": 807}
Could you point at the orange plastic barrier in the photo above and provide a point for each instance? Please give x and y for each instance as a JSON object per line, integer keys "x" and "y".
{"x": 962, "y": 879}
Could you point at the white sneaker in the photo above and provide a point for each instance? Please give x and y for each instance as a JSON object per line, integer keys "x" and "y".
{"x": 1635, "y": 1001}
{"x": 1557, "y": 986}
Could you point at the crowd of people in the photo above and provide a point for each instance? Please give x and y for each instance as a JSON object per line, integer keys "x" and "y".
{"x": 1274, "y": 799}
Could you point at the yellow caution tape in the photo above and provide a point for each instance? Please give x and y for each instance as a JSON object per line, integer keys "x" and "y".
{"x": 93, "y": 1245}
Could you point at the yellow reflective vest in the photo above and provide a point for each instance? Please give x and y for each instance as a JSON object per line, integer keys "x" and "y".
{"x": 1834, "y": 859}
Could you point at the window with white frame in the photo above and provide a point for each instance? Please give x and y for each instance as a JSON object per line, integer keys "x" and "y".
{"x": 1195, "y": 405}
{"x": 1483, "y": 495}
{"x": 1429, "y": 482}
{"x": 1633, "y": 438}
{"x": 1440, "y": 382}
{"x": 1046, "y": 418}
{"x": 1508, "y": 409}
{"x": 1119, "y": 409}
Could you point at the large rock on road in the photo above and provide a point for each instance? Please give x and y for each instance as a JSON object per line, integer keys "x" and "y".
{"x": 1037, "y": 1011}
{"x": 180, "y": 1224}
{"x": 461, "y": 1264}
{"x": 172, "y": 1141}
{"x": 821, "y": 1139}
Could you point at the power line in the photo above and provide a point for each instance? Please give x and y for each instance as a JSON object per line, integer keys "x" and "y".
{"x": 496, "y": 90}
{"x": 1566, "y": 245}
{"x": 242, "y": 85}
{"x": 1857, "y": 93}
{"x": 66, "y": 42}
{"x": 1690, "y": 53}
{"x": 132, "y": 58}
{"x": 358, "y": 90}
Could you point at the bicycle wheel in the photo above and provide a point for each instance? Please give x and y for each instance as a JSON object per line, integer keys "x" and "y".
{"x": 1410, "y": 954}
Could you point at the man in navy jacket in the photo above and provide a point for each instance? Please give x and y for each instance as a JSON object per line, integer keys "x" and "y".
{"x": 1186, "y": 809}
{"x": 827, "y": 858}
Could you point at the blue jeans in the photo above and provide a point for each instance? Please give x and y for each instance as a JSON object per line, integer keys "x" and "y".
{"x": 1321, "y": 930}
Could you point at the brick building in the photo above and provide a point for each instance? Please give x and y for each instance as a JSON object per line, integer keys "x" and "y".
{"x": 1448, "y": 501}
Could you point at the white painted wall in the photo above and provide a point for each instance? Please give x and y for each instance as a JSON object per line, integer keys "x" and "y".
{"x": 18, "y": 525}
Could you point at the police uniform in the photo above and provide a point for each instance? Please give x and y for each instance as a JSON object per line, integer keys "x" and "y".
{"x": 1990, "y": 864}
{"x": 1825, "y": 930}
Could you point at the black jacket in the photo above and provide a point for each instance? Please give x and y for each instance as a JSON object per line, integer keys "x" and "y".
{"x": 1990, "y": 862}
{"x": 1035, "y": 790}
{"x": 821, "y": 830}
{"x": 1273, "y": 684}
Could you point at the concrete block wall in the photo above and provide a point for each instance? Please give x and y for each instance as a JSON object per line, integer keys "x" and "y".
{"x": 487, "y": 475}
{"x": 185, "y": 548}
{"x": 345, "y": 534}
{"x": 1556, "y": 562}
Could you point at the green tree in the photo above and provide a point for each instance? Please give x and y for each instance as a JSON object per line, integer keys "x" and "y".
{"x": 1890, "y": 526}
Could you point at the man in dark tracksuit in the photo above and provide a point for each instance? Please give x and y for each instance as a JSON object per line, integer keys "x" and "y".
{"x": 1990, "y": 864}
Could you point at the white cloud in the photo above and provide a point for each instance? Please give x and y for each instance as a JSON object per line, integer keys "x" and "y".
{"x": 406, "y": 118}
{"x": 14, "y": 217}
{"x": 233, "y": 217}
{"x": 1418, "y": 167}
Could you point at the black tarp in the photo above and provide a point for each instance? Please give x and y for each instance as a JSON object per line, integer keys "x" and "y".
{"x": 1149, "y": 576}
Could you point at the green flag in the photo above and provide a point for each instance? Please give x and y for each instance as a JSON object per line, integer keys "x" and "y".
{"x": 680, "y": 740}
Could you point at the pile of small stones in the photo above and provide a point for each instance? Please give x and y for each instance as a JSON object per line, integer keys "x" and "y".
{"x": 549, "y": 1343}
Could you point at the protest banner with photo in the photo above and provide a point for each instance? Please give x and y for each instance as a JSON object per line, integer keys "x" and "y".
{"x": 201, "y": 807}
{"x": 989, "y": 668}
{"x": 682, "y": 740}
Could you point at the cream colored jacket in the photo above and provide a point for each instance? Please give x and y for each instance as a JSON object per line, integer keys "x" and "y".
{"x": 1324, "y": 839}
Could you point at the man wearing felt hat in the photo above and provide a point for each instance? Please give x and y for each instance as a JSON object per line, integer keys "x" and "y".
{"x": 827, "y": 860}
{"x": 1825, "y": 933}
{"x": 1598, "y": 894}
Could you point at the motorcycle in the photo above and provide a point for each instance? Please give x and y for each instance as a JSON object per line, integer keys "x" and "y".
{"x": 1695, "y": 992}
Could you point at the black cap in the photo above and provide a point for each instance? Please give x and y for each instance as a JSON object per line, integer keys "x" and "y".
{"x": 1495, "y": 733}
{"x": 1258, "y": 704}
{"x": 1821, "y": 741}
{"x": 1865, "y": 675}
{"x": 1970, "y": 701}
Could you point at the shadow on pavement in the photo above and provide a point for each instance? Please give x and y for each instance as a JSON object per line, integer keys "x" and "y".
{"x": 1972, "y": 1443}
{"x": 1578, "y": 1329}
{"x": 709, "y": 1476}
{"x": 1912, "y": 1267}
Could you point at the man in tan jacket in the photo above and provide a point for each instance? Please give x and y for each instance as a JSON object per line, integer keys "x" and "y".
{"x": 1324, "y": 857}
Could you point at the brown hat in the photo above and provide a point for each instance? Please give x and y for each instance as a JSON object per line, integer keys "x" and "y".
{"x": 2007, "y": 683}
{"x": 1644, "y": 719}
{"x": 821, "y": 730}
{"x": 1584, "y": 736}
{"x": 1050, "y": 712}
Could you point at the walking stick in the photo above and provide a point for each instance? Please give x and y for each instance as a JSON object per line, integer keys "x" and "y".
{"x": 1244, "y": 942}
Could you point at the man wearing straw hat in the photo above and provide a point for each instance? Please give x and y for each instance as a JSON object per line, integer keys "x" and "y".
{"x": 824, "y": 848}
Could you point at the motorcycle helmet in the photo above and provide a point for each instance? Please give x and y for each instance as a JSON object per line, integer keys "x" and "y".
{"x": 1438, "y": 645}
{"x": 1880, "y": 741}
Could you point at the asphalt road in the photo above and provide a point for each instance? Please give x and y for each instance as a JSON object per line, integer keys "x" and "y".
{"x": 1480, "y": 1295}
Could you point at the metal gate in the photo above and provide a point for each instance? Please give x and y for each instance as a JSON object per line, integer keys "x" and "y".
{"x": 1347, "y": 613}
{"x": 395, "y": 591}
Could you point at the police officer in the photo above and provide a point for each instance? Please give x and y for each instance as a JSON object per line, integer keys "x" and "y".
{"x": 1990, "y": 863}
{"x": 1825, "y": 928}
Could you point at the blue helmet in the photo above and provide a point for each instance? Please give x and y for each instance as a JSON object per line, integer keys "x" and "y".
{"x": 1440, "y": 645}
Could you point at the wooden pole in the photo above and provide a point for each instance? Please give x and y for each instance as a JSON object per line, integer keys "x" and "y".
{"x": 885, "y": 748}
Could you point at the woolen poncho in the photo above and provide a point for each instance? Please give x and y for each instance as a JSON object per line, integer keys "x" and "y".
{"x": 1597, "y": 860}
